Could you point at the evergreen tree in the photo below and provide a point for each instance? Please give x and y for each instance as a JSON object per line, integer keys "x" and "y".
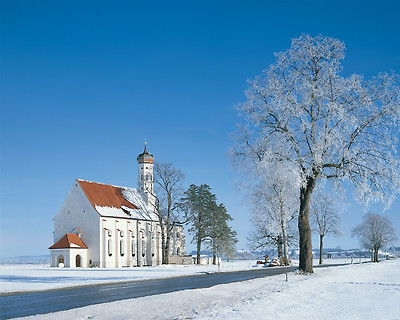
{"x": 208, "y": 221}
{"x": 221, "y": 239}
{"x": 197, "y": 204}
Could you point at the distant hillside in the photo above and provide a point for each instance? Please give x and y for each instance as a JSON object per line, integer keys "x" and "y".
{"x": 334, "y": 252}
{"x": 43, "y": 259}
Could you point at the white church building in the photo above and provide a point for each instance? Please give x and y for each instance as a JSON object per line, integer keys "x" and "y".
{"x": 101, "y": 225}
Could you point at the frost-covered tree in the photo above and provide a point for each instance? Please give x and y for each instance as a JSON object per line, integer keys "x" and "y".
{"x": 168, "y": 184}
{"x": 274, "y": 205}
{"x": 325, "y": 218}
{"x": 267, "y": 233}
{"x": 375, "y": 232}
{"x": 304, "y": 112}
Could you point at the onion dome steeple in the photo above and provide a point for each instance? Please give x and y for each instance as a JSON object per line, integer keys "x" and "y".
{"x": 145, "y": 157}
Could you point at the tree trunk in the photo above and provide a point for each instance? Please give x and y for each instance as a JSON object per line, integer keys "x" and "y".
{"x": 219, "y": 263}
{"x": 163, "y": 250}
{"x": 280, "y": 251}
{"x": 285, "y": 244}
{"x": 321, "y": 246}
{"x": 214, "y": 253}
{"x": 376, "y": 259}
{"x": 163, "y": 243}
{"x": 167, "y": 245}
{"x": 198, "y": 248}
{"x": 305, "y": 241}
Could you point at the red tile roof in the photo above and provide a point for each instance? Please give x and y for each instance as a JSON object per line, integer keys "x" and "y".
{"x": 105, "y": 195}
{"x": 70, "y": 240}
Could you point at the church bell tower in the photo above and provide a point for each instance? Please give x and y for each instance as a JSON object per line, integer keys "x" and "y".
{"x": 145, "y": 177}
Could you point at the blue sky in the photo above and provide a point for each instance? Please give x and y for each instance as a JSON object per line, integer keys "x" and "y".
{"x": 83, "y": 83}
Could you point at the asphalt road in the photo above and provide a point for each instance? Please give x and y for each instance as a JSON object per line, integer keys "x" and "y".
{"x": 20, "y": 305}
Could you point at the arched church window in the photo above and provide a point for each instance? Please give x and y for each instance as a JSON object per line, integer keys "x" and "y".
{"x": 110, "y": 247}
{"x": 143, "y": 247}
{"x": 133, "y": 245}
{"x": 121, "y": 248}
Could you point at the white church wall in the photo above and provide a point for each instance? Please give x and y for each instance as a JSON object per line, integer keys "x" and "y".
{"x": 142, "y": 240}
{"x": 110, "y": 242}
{"x": 133, "y": 239}
{"x": 108, "y": 251}
{"x": 67, "y": 257}
{"x": 157, "y": 247}
{"x": 150, "y": 252}
{"x": 122, "y": 243}
{"x": 77, "y": 212}
{"x": 141, "y": 243}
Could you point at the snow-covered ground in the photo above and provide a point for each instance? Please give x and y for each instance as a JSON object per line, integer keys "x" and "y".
{"x": 30, "y": 277}
{"x": 357, "y": 291}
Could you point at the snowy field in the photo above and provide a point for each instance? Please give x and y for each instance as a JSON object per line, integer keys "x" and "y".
{"x": 30, "y": 277}
{"x": 357, "y": 291}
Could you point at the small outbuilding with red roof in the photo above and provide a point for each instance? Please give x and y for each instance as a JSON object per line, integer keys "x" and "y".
{"x": 69, "y": 251}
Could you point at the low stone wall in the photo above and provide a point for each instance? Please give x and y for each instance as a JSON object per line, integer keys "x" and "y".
{"x": 181, "y": 260}
{"x": 206, "y": 260}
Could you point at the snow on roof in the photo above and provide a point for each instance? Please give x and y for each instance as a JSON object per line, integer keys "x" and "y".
{"x": 133, "y": 196}
{"x": 69, "y": 240}
{"x": 115, "y": 201}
